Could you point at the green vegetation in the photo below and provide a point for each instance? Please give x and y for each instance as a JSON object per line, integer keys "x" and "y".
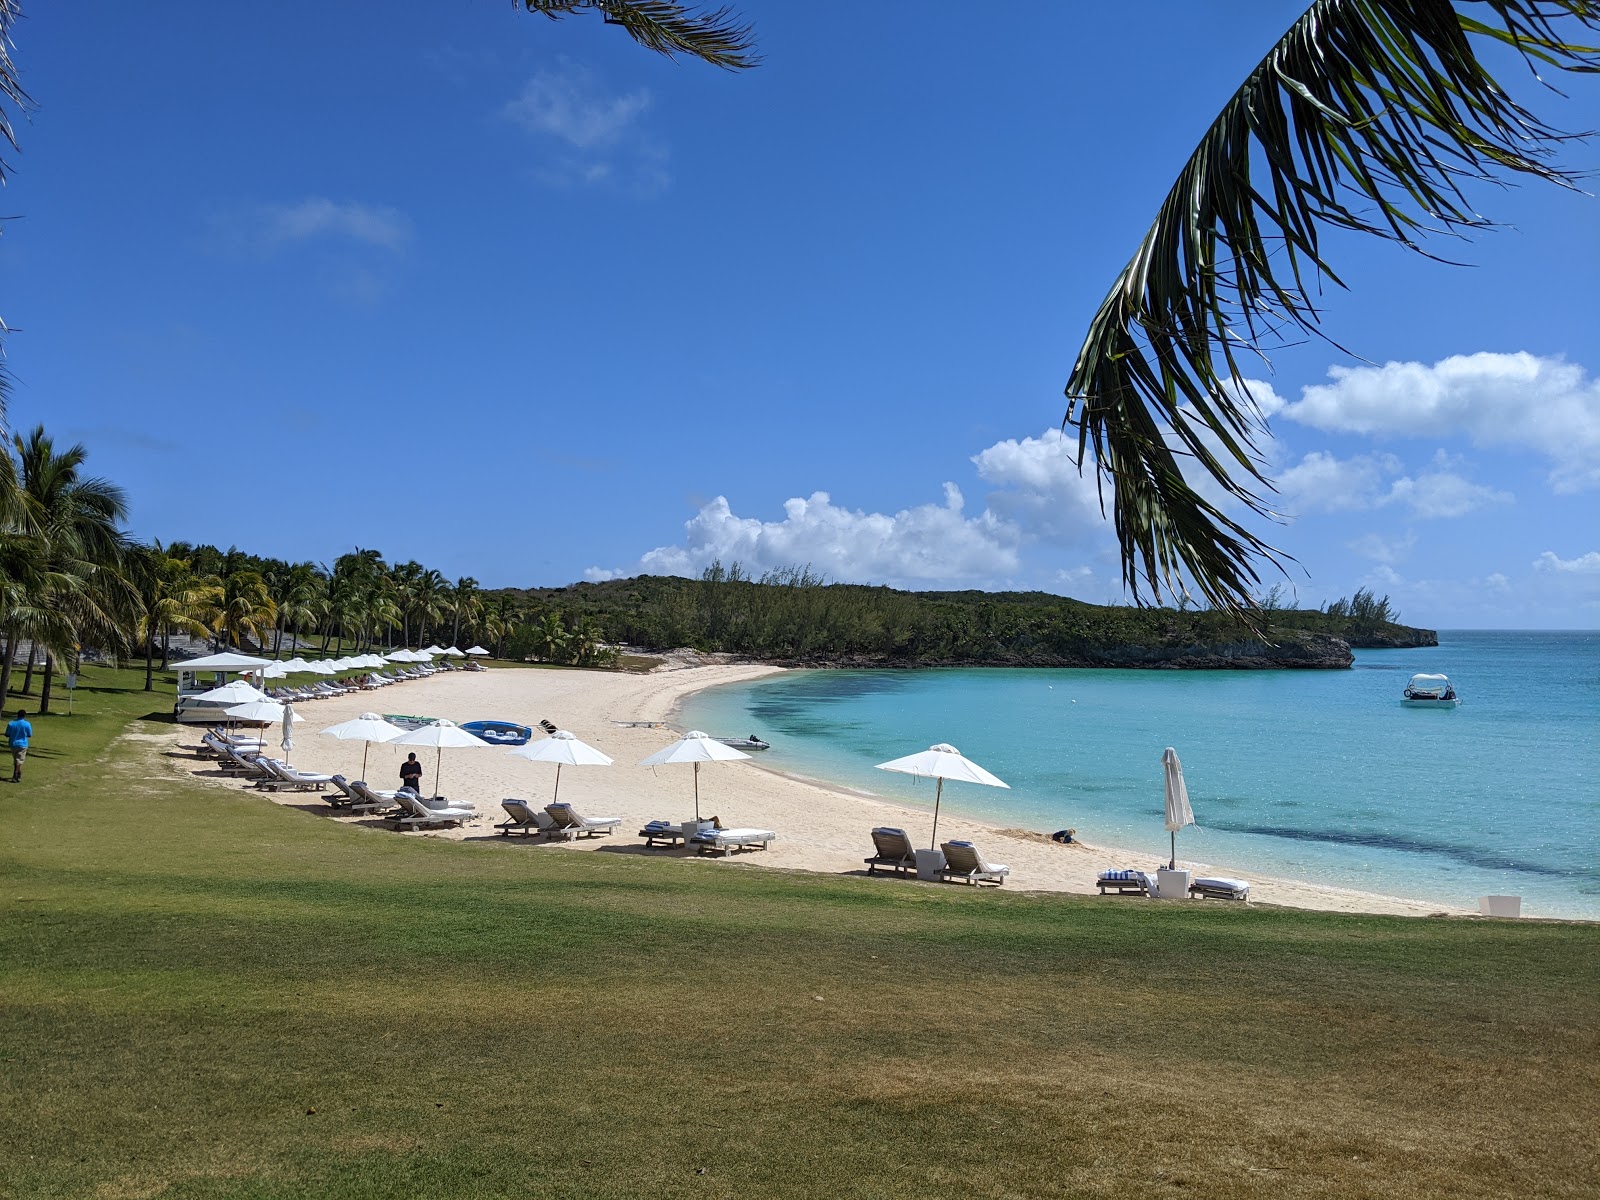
{"x": 208, "y": 995}
{"x": 794, "y": 615}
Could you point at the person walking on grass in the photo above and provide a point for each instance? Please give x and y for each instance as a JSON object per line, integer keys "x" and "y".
{"x": 19, "y": 733}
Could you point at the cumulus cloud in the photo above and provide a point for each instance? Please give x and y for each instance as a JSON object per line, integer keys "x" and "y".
{"x": 1040, "y": 489}
{"x": 1517, "y": 400}
{"x": 931, "y": 542}
{"x": 1584, "y": 564}
{"x": 595, "y": 132}
{"x": 1322, "y": 482}
{"x": 1382, "y": 549}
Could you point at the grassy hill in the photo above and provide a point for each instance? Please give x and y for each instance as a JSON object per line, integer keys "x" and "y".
{"x": 207, "y": 996}
{"x": 793, "y": 618}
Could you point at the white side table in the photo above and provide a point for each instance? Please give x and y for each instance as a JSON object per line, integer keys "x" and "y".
{"x": 1172, "y": 885}
{"x": 929, "y": 864}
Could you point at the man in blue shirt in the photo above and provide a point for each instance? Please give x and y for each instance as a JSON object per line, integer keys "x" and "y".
{"x": 19, "y": 732}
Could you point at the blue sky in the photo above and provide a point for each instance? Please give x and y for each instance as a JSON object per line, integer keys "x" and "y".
{"x": 524, "y": 301}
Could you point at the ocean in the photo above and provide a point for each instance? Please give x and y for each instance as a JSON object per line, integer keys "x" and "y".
{"x": 1315, "y": 775}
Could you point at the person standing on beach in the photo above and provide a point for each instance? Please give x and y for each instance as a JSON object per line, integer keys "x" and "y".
{"x": 411, "y": 774}
{"x": 19, "y": 733}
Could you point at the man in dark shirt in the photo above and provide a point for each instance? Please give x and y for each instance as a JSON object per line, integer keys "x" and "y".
{"x": 411, "y": 774}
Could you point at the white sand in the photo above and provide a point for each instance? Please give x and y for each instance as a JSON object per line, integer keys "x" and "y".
{"x": 820, "y": 827}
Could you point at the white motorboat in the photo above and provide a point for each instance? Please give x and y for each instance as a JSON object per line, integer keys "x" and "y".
{"x": 1430, "y": 691}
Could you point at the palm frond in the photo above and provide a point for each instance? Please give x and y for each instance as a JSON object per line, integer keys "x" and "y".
{"x": 716, "y": 35}
{"x": 1367, "y": 115}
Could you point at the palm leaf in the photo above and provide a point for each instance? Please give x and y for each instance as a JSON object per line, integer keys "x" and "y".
{"x": 1366, "y": 115}
{"x": 717, "y": 35}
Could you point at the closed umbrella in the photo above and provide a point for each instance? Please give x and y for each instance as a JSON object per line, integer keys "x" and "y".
{"x": 368, "y": 728}
{"x": 693, "y": 747}
{"x": 942, "y": 762}
{"x": 287, "y": 742}
{"x": 440, "y": 735}
{"x": 565, "y": 750}
{"x": 1179, "y": 813}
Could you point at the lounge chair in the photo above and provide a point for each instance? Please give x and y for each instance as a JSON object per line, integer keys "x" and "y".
{"x": 570, "y": 823}
{"x": 525, "y": 819}
{"x": 414, "y": 814}
{"x": 729, "y": 841}
{"x": 661, "y": 831}
{"x": 963, "y": 863}
{"x": 247, "y": 765}
{"x": 1219, "y": 887}
{"x": 285, "y": 776}
{"x": 372, "y": 799}
{"x": 893, "y": 850}
{"x": 1124, "y": 881}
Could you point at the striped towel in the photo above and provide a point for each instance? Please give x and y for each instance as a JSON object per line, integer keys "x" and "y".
{"x": 1129, "y": 875}
{"x": 663, "y": 826}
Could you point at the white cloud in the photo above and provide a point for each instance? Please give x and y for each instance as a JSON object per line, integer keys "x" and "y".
{"x": 1444, "y": 494}
{"x": 1042, "y": 490}
{"x": 929, "y": 543}
{"x": 1584, "y": 564}
{"x": 1383, "y": 549}
{"x": 1320, "y": 482}
{"x": 317, "y": 216}
{"x": 1517, "y": 400}
{"x": 569, "y": 105}
{"x": 601, "y": 574}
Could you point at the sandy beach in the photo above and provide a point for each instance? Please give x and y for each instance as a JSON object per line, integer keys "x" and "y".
{"x": 820, "y": 828}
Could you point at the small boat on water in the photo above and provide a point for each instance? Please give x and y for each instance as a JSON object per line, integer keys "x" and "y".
{"x": 746, "y": 743}
{"x": 1430, "y": 691}
{"x": 500, "y": 733}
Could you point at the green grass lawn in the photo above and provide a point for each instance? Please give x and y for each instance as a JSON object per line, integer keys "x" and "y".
{"x": 209, "y": 995}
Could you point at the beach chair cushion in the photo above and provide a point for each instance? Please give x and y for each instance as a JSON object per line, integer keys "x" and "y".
{"x": 1220, "y": 886}
{"x": 963, "y": 860}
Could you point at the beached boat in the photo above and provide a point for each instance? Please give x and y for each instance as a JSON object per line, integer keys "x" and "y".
{"x": 500, "y": 733}
{"x": 408, "y": 722}
{"x": 1430, "y": 691}
{"x": 745, "y": 743}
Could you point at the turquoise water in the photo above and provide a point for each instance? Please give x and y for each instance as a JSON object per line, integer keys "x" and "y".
{"x": 1317, "y": 775}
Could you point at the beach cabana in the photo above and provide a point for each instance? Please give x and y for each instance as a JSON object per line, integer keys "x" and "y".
{"x": 694, "y": 747}
{"x": 942, "y": 762}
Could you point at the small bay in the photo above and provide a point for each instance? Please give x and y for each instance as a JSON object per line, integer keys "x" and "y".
{"x": 1316, "y": 775}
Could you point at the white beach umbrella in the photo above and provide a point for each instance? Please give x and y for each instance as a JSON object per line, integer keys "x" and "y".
{"x": 321, "y": 667}
{"x": 368, "y": 728}
{"x": 398, "y": 656}
{"x": 565, "y": 750}
{"x": 295, "y": 664}
{"x": 942, "y": 762}
{"x": 693, "y": 747}
{"x": 1179, "y": 813}
{"x": 476, "y": 650}
{"x": 452, "y": 652}
{"x": 275, "y": 671}
{"x": 237, "y": 692}
{"x": 262, "y": 712}
{"x": 441, "y": 735}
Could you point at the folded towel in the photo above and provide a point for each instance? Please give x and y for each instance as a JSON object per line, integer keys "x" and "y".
{"x": 1125, "y": 874}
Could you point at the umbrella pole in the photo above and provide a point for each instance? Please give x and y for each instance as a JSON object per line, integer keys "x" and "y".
{"x": 938, "y": 793}
{"x": 557, "y": 796}
{"x": 437, "y": 763}
{"x": 697, "y": 793}
{"x": 1173, "y": 865}
{"x": 365, "y": 746}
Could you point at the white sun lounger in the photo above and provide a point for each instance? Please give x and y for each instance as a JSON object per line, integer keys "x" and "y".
{"x": 728, "y": 841}
{"x": 1219, "y": 887}
{"x": 525, "y": 819}
{"x": 570, "y": 823}
{"x": 892, "y": 849}
{"x": 964, "y": 864}
{"x": 371, "y": 798}
{"x": 287, "y": 777}
{"x": 418, "y": 815}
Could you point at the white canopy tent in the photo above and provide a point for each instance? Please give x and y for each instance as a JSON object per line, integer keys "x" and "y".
{"x": 230, "y": 661}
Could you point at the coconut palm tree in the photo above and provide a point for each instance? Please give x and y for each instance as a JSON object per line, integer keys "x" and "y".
{"x": 75, "y": 583}
{"x": 246, "y": 609}
{"x": 464, "y": 605}
{"x": 172, "y": 598}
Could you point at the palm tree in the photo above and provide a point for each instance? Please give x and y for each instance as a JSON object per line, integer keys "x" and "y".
{"x": 464, "y": 604}
{"x": 172, "y": 599}
{"x": 72, "y": 580}
{"x": 246, "y": 609}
